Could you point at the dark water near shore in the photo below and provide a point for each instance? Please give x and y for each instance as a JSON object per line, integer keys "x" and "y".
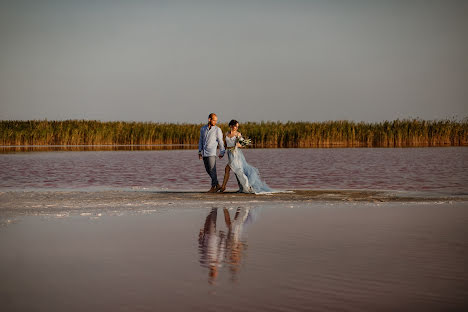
{"x": 252, "y": 257}
{"x": 406, "y": 169}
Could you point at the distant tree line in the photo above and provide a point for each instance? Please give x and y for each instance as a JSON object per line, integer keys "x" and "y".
{"x": 397, "y": 133}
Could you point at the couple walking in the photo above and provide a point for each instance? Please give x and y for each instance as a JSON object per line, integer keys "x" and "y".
{"x": 248, "y": 177}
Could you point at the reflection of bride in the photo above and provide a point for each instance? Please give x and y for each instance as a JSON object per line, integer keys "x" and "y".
{"x": 247, "y": 176}
{"x": 234, "y": 246}
{"x": 216, "y": 248}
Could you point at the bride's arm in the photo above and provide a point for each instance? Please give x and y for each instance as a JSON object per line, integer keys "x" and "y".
{"x": 225, "y": 141}
{"x": 239, "y": 135}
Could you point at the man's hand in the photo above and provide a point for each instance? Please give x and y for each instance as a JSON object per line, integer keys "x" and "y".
{"x": 220, "y": 156}
{"x": 200, "y": 156}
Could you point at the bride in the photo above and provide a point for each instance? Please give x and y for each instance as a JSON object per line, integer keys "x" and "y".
{"x": 247, "y": 176}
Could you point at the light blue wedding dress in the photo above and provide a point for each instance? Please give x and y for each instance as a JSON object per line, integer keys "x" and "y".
{"x": 248, "y": 176}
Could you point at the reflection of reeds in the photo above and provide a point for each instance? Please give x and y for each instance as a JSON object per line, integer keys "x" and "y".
{"x": 399, "y": 133}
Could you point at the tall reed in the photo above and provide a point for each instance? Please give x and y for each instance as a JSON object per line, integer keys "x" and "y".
{"x": 397, "y": 133}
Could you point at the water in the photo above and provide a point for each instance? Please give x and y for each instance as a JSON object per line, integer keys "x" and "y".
{"x": 405, "y": 169}
{"x": 148, "y": 251}
{"x": 315, "y": 256}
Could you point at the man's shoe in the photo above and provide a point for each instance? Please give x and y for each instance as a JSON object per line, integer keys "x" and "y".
{"x": 212, "y": 189}
{"x": 218, "y": 187}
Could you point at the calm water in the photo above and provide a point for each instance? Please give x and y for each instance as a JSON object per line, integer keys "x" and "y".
{"x": 409, "y": 169}
{"x": 244, "y": 256}
{"x": 270, "y": 257}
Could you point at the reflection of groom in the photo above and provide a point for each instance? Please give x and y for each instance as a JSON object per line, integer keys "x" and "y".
{"x": 210, "y": 137}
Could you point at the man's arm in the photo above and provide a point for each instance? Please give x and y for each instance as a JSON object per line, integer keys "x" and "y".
{"x": 221, "y": 143}
{"x": 200, "y": 144}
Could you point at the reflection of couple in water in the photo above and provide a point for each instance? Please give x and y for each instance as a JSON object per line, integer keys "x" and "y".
{"x": 218, "y": 248}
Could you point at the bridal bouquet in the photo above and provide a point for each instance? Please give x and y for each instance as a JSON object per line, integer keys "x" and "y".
{"x": 244, "y": 142}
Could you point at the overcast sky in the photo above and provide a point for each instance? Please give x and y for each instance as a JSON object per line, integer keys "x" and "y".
{"x": 177, "y": 61}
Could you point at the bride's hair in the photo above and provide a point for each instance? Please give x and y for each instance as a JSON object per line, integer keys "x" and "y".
{"x": 233, "y": 123}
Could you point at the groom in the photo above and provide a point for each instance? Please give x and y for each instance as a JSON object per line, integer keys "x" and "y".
{"x": 210, "y": 137}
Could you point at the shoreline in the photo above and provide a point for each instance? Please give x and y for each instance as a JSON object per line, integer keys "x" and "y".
{"x": 231, "y": 195}
{"x": 44, "y": 202}
{"x": 94, "y": 204}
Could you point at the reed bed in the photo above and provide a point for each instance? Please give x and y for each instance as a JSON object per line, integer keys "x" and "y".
{"x": 397, "y": 133}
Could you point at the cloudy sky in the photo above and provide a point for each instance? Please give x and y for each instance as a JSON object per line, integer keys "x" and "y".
{"x": 176, "y": 61}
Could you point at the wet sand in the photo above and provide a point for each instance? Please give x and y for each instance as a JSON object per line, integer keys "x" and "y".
{"x": 180, "y": 251}
{"x": 37, "y": 202}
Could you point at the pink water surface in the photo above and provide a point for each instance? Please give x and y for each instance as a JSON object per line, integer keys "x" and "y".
{"x": 406, "y": 169}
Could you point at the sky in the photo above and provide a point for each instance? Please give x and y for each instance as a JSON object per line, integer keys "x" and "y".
{"x": 177, "y": 61}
